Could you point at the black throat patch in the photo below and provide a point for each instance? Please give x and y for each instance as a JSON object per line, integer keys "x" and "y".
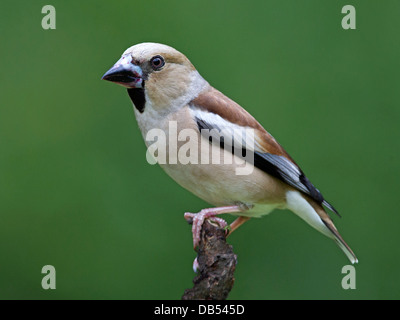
{"x": 138, "y": 98}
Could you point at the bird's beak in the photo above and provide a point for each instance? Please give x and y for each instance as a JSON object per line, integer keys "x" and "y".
{"x": 125, "y": 73}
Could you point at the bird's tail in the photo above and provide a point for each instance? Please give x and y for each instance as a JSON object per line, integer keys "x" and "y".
{"x": 333, "y": 233}
{"x": 340, "y": 242}
{"x": 314, "y": 214}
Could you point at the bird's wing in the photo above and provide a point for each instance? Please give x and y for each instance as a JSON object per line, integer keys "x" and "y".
{"x": 213, "y": 110}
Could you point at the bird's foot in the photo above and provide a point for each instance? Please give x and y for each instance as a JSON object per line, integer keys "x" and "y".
{"x": 197, "y": 219}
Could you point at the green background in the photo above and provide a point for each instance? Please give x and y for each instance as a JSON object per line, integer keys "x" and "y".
{"x": 77, "y": 193}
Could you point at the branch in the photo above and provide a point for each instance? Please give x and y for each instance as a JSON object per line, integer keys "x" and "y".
{"x": 217, "y": 263}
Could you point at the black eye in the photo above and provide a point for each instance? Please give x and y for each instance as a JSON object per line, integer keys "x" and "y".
{"x": 157, "y": 62}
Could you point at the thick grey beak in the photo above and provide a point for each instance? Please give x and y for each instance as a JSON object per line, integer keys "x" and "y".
{"x": 125, "y": 73}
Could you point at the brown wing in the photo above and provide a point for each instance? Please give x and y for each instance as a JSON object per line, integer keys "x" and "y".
{"x": 269, "y": 155}
{"x": 216, "y": 102}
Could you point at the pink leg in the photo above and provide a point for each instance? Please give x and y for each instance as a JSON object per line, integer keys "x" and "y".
{"x": 198, "y": 219}
{"x": 237, "y": 223}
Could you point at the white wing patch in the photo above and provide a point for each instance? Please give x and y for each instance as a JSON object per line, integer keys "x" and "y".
{"x": 238, "y": 136}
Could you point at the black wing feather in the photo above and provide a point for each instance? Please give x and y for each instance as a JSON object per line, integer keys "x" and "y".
{"x": 279, "y": 167}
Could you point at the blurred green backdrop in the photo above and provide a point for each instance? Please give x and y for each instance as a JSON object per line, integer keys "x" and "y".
{"x": 77, "y": 193}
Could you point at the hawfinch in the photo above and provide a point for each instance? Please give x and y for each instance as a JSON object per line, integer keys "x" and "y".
{"x": 208, "y": 140}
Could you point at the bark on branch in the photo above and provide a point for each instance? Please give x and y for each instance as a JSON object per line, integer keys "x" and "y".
{"x": 217, "y": 263}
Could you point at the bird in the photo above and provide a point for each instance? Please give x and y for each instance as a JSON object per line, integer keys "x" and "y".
{"x": 171, "y": 98}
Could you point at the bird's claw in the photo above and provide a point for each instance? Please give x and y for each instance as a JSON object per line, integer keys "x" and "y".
{"x": 197, "y": 220}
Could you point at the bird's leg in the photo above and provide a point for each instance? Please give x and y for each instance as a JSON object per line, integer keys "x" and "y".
{"x": 198, "y": 219}
{"x": 237, "y": 223}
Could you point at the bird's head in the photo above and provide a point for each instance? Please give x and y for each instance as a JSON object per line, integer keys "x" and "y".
{"x": 162, "y": 74}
